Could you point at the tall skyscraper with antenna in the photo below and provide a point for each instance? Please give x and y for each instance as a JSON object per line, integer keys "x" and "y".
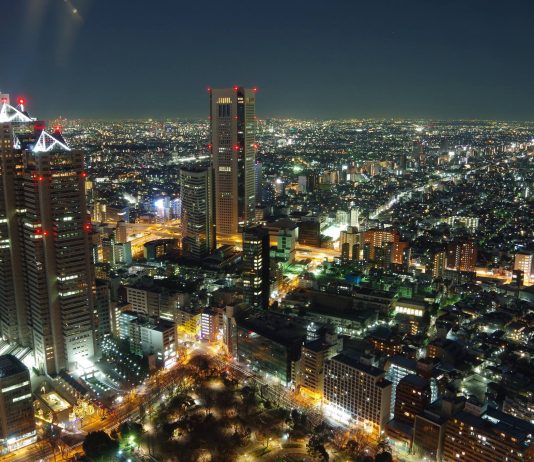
{"x": 45, "y": 242}
{"x": 233, "y": 151}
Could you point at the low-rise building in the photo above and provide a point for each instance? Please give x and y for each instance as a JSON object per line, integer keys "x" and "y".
{"x": 17, "y": 420}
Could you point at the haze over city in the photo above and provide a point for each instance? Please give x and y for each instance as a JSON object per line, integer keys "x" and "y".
{"x": 318, "y": 59}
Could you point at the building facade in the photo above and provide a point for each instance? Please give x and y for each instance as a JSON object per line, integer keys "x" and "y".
{"x": 233, "y": 151}
{"x": 17, "y": 420}
{"x": 198, "y": 226}
{"x": 256, "y": 263}
{"x": 46, "y": 247}
{"x": 357, "y": 392}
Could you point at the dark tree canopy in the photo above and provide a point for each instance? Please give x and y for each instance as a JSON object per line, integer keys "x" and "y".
{"x": 99, "y": 446}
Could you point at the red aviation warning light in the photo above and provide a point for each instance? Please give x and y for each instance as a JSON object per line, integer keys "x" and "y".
{"x": 88, "y": 227}
{"x": 236, "y": 87}
{"x": 209, "y": 89}
{"x": 21, "y": 102}
{"x": 236, "y": 147}
{"x": 83, "y": 174}
{"x": 210, "y": 146}
{"x": 45, "y": 233}
{"x": 255, "y": 89}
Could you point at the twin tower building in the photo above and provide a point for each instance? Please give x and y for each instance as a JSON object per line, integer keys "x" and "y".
{"x": 221, "y": 198}
{"x": 47, "y": 284}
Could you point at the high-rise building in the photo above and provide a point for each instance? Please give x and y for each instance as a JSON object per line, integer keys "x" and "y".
{"x": 355, "y": 217}
{"x": 102, "y": 310}
{"x": 198, "y": 230}
{"x": 233, "y": 145}
{"x": 397, "y": 367}
{"x": 438, "y": 264}
{"x": 256, "y": 262}
{"x": 358, "y": 392}
{"x": 350, "y": 244}
{"x": 384, "y": 248}
{"x": 310, "y": 369}
{"x": 17, "y": 420}
{"x": 524, "y": 261}
{"x": 46, "y": 245}
{"x": 462, "y": 256}
{"x": 258, "y": 181}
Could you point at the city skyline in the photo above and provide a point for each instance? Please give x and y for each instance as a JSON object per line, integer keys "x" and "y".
{"x": 114, "y": 60}
{"x": 266, "y": 232}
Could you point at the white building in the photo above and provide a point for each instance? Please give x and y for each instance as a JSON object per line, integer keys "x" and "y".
{"x": 357, "y": 392}
{"x": 524, "y": 261}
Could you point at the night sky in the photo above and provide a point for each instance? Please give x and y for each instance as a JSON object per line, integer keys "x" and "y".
{"x": 309, "y": 59}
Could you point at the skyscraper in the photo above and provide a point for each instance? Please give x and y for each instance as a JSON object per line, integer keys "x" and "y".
{"x": 47, "y": 245}
{"x": 256, "y": 266}
{"x": 198, "y": 231}
{"x": 233, "y": 146}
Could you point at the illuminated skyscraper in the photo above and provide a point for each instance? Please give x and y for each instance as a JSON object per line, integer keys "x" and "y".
{"x": 233, "y": 145}
{"x": 47, "y": 246}
{"x": 198, "y": 232}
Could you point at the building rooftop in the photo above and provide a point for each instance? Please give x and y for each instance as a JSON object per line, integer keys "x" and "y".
{"x": 415, "y": 381}
{"x": 279, "y": 328}
{"x": 498, "y": 422}
{"x": 351, "y": 362}
{"x": 10, "y": 365}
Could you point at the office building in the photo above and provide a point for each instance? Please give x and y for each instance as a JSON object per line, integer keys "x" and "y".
{"x": 198, "y": 227}
{"x": 48, "y": 234}
{"x": 256, "y": 266}
{"x": 233, "y": 146}
{"x": 102, "y": 312}
{"x": 159, "y": 248}
{"x": 269, "y": 343}
{"x": 310, "y": 232}
{"x": 286, "y": 241}
{"x": 258, "y": 181}
{"x": 17, "y": 420}
{"x": 156, "y": 298}
{"x": 357, "y": 392}
{"x": 150, "y": 337}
